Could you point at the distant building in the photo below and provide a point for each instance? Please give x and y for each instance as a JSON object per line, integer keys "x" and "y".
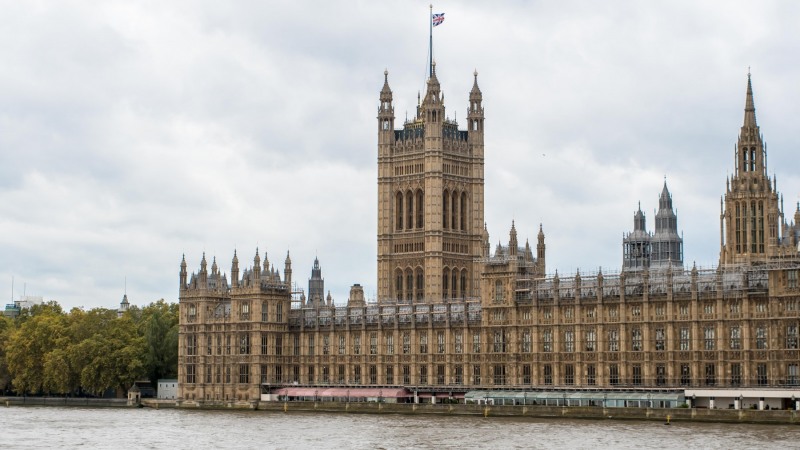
{"x": 26, "y": 301}
{"x": 123, "y": 306}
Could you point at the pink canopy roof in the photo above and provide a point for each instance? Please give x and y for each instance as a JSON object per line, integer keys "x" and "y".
{"x": 341, "y": 392}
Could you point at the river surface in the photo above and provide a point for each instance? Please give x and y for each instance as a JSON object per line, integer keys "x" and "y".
{"x": 122, "y": 428}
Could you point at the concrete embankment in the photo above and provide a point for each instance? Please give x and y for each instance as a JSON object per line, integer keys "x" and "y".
{"x": 572, "y": 412}
{"x": 63, "y": 401}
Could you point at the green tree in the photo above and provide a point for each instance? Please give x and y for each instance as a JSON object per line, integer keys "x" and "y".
{"x": 6, "y": 327}
{"x": 28, "y": 346}
{"x": 159, "y": 327}
{"x": 111, "y": 360}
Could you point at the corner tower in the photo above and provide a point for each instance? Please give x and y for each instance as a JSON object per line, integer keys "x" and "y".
{"x": 750, "y": 215}
{"x": 430, "y": 199}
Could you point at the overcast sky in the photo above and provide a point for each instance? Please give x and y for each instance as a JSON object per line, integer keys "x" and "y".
{"x": 134, "y": 132}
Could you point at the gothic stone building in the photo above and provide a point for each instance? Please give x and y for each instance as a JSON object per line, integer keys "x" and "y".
{"x": 452, "y": 316}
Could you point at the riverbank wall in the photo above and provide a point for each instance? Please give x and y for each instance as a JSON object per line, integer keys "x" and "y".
{"x": 63, "y": 401}
{"x": 664, "y": 415}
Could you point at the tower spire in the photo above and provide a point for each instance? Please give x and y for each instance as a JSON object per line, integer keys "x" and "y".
{"x": 749, "y": 105}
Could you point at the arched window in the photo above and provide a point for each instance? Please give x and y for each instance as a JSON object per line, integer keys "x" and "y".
{"x": 398, "y": 211}
{"x": 445, "y": 208}
{"x": 453, "y": 207}
{"x": 454, "y": 283}
{"x": 463, "y": 210}
{"x": 420, "y": 284}
{"x": 420, "y": 209}
{"x": 409, "y": 285}
{"x": 409, "y": 211}
{"x": 745, "y": 163}
{"x": 446, "y": 283}
{"x": 464, "y": 283}
{"x": 399, "y": 285}
{"x": 752, "y": 159}
{"x": 499, "y": 293}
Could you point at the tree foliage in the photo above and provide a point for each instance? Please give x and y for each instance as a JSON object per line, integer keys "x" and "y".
{"x": 46, "y": 350}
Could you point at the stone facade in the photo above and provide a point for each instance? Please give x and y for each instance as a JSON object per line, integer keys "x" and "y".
{"x": 453, "y": 316}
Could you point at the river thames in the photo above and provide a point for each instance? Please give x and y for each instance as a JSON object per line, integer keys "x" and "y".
{"x": 63, "y": 427}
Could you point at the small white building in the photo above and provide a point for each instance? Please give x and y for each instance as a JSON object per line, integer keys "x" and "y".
{"x": 167, "y": 389}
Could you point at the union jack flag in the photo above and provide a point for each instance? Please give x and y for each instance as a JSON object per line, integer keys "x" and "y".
{"x": 437, "y": 19}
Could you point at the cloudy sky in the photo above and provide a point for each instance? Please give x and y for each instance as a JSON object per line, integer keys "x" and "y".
{"x": 134, "y": 132}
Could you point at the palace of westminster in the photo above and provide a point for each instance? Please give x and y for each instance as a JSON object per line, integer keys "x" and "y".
{"x": 454, "y": 315}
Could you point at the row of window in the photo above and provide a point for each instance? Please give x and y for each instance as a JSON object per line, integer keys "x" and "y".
{"x": 636, "y": 310}
{"x": 409, "y": 210}
{"x": 410, "y": 284}
{"x": 547, "y": 376}
{"x": 499, "y": 342}
{"x": 244, "y": 312}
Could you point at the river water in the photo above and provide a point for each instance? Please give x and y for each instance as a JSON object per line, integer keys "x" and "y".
{"x": 65, "y": 427}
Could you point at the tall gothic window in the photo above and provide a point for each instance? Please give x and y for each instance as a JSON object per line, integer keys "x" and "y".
{"x": 420, "y": 284}
{"x": 398, "y": 211}
{"x": 446, "y": 283}
{"x": 445, "y": 208}
{"x": 463, "y": 211}
{"x": 409, "y": 211}
{"x": 420, "y": 209}
{"x": 453, "y": 206}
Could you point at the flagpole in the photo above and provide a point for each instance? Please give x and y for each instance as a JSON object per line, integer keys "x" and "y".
{"x": 430, "y": 42}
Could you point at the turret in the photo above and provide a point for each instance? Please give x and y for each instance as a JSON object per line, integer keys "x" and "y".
{"x": 183, "y": 274}
{"x": 123, "y": 305}
{"x": 475, "y": 115}
{"x": 486, "y": 245}
{"x": 512, "y": 241}
{"x": 203, "y": 275}
{"x": 356, "y": 296}
{"x": 385, "y": 117}
{"x": 235, "y": 271}
{"x": 287, "y": 271}
{"x": 540, "y": 252}
{"x": 432, "y": 108}
{"x": 256, "y": 266}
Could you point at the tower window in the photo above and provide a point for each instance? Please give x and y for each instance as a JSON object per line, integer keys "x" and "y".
{"x": 445, "y": 208}
{"x": 399, "y": 210}
{"x": 420, "y": 209}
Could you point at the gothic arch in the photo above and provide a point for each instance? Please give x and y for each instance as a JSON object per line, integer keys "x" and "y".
{"x": 446, "y": 283}
{"x": 420, "y": 287}
{"x": 463, "y": 210}
{"x": 420, "y": 199}
{"x": 408, "y": 289}
{"x": 398, "y": 211}
{"x": 464, "y": 291}
{"x": 399, "y": 282}
{"x": 445, "y": 208}
{"x": 409, "y": 210}
{"x": 454, "y": 210}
